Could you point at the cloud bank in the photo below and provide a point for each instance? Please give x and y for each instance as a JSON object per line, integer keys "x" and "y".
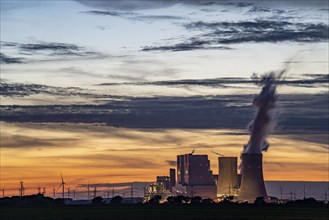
{"x": 216, "y": 34}
{"x": 304, "y": 112}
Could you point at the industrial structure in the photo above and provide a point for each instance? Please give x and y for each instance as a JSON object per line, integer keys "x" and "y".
{"x": 172, "y": 178}
{"x": 162, "y": 187}
{"x": 194, "y": 170}
{"x": 252, "y": 182}
{"x": 227, "y": 184}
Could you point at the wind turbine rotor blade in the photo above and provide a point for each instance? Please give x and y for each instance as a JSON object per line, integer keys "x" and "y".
{"x": 60, "y": 186}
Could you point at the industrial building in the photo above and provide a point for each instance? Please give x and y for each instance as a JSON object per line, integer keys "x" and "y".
{"x": 163, "y": 184}
{"x": 194, "y": 170}
{"x": 227, "y": 184}
{"x": 162, "y": 187}
{"x": 195, "y": 178}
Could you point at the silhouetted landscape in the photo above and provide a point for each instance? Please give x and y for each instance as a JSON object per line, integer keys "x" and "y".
{"x": 39, "y": 207}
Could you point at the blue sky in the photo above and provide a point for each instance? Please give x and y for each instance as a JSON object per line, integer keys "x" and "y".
{"x": 112, "y": 40}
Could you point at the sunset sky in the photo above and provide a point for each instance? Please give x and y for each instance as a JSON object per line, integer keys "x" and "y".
{"x": 111, "y": 91}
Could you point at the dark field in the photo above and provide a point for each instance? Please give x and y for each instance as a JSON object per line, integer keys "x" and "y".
{"x": 166, "y": 212}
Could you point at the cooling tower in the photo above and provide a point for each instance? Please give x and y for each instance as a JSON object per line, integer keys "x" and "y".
{"x": 227, "y": 176}
{"x": 252, "y": 183}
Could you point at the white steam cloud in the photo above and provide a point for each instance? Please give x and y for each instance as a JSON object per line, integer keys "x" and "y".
{"x": 263, "y": 123}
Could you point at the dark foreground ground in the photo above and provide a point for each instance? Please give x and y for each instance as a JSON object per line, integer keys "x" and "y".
{"x": 166, "y": 212}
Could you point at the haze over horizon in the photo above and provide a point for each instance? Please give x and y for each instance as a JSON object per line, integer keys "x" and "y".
{"x": 112, "y": 91}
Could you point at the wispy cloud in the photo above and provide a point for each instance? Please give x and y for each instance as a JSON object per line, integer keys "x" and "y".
{"x": 22, "y": 141}
{"x": 136, "y": 16}
{"x": 171, "y": 163}
{"x": 109, "y": 13}
{"x": 311, "y": 80}
{"x": 49, "y": 50}
{"x": 21, "y": 90}
{"x": 10, "y": 60}
{"x": 217, "y": 34}
{"x": 186, "y": 47}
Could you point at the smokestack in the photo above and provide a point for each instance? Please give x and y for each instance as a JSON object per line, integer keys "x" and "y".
{"x": 252, "y": 183}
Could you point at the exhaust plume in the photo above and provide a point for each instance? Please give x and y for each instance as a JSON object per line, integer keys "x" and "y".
{"x": 263, "y": 123}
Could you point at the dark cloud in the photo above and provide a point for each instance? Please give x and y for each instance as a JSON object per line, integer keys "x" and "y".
{"x": 9, "y": 60}
{"x": 217, "y": 34}
{"x": 21, "y": 90}
{"x": 49, "y": 49}
{"x": 151, "y": 18}
{"x": 315, "y": 80}
{"x": 56, "y": 47}
{"x": 109, "y": 13}
{"x": 186, "y": 47}
{"x": 305, "y": 112}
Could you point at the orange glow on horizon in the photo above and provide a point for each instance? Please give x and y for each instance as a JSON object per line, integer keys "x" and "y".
{"x": 38, "y": 153}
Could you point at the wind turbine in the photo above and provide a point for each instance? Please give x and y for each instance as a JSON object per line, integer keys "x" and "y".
{"x": 88, "y": 188}
{"x": 62, "y": 185}
{"x": 22, "y": 189}
{"x": 95, "y": 191}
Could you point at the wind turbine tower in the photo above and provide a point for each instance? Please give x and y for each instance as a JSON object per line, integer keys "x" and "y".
{"x": 21, "y": 189}
{"x": 62, "y": 185}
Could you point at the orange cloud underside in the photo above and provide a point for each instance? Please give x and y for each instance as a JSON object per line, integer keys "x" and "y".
{"x": 38, "y": 153}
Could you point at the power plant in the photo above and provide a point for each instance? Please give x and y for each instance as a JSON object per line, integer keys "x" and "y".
{"x": 194, "y": 174}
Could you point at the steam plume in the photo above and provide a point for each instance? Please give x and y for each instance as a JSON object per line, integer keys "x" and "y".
{"x": 263, "y": 123}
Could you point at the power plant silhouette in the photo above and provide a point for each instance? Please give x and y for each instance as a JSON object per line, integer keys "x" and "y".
{"x": 194, "y": 176}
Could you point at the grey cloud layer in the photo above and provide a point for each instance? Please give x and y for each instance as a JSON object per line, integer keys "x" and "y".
{"x": 217, "y": 34}
{"x": 305, "y": 112}
{"x": 23, "y": 90}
